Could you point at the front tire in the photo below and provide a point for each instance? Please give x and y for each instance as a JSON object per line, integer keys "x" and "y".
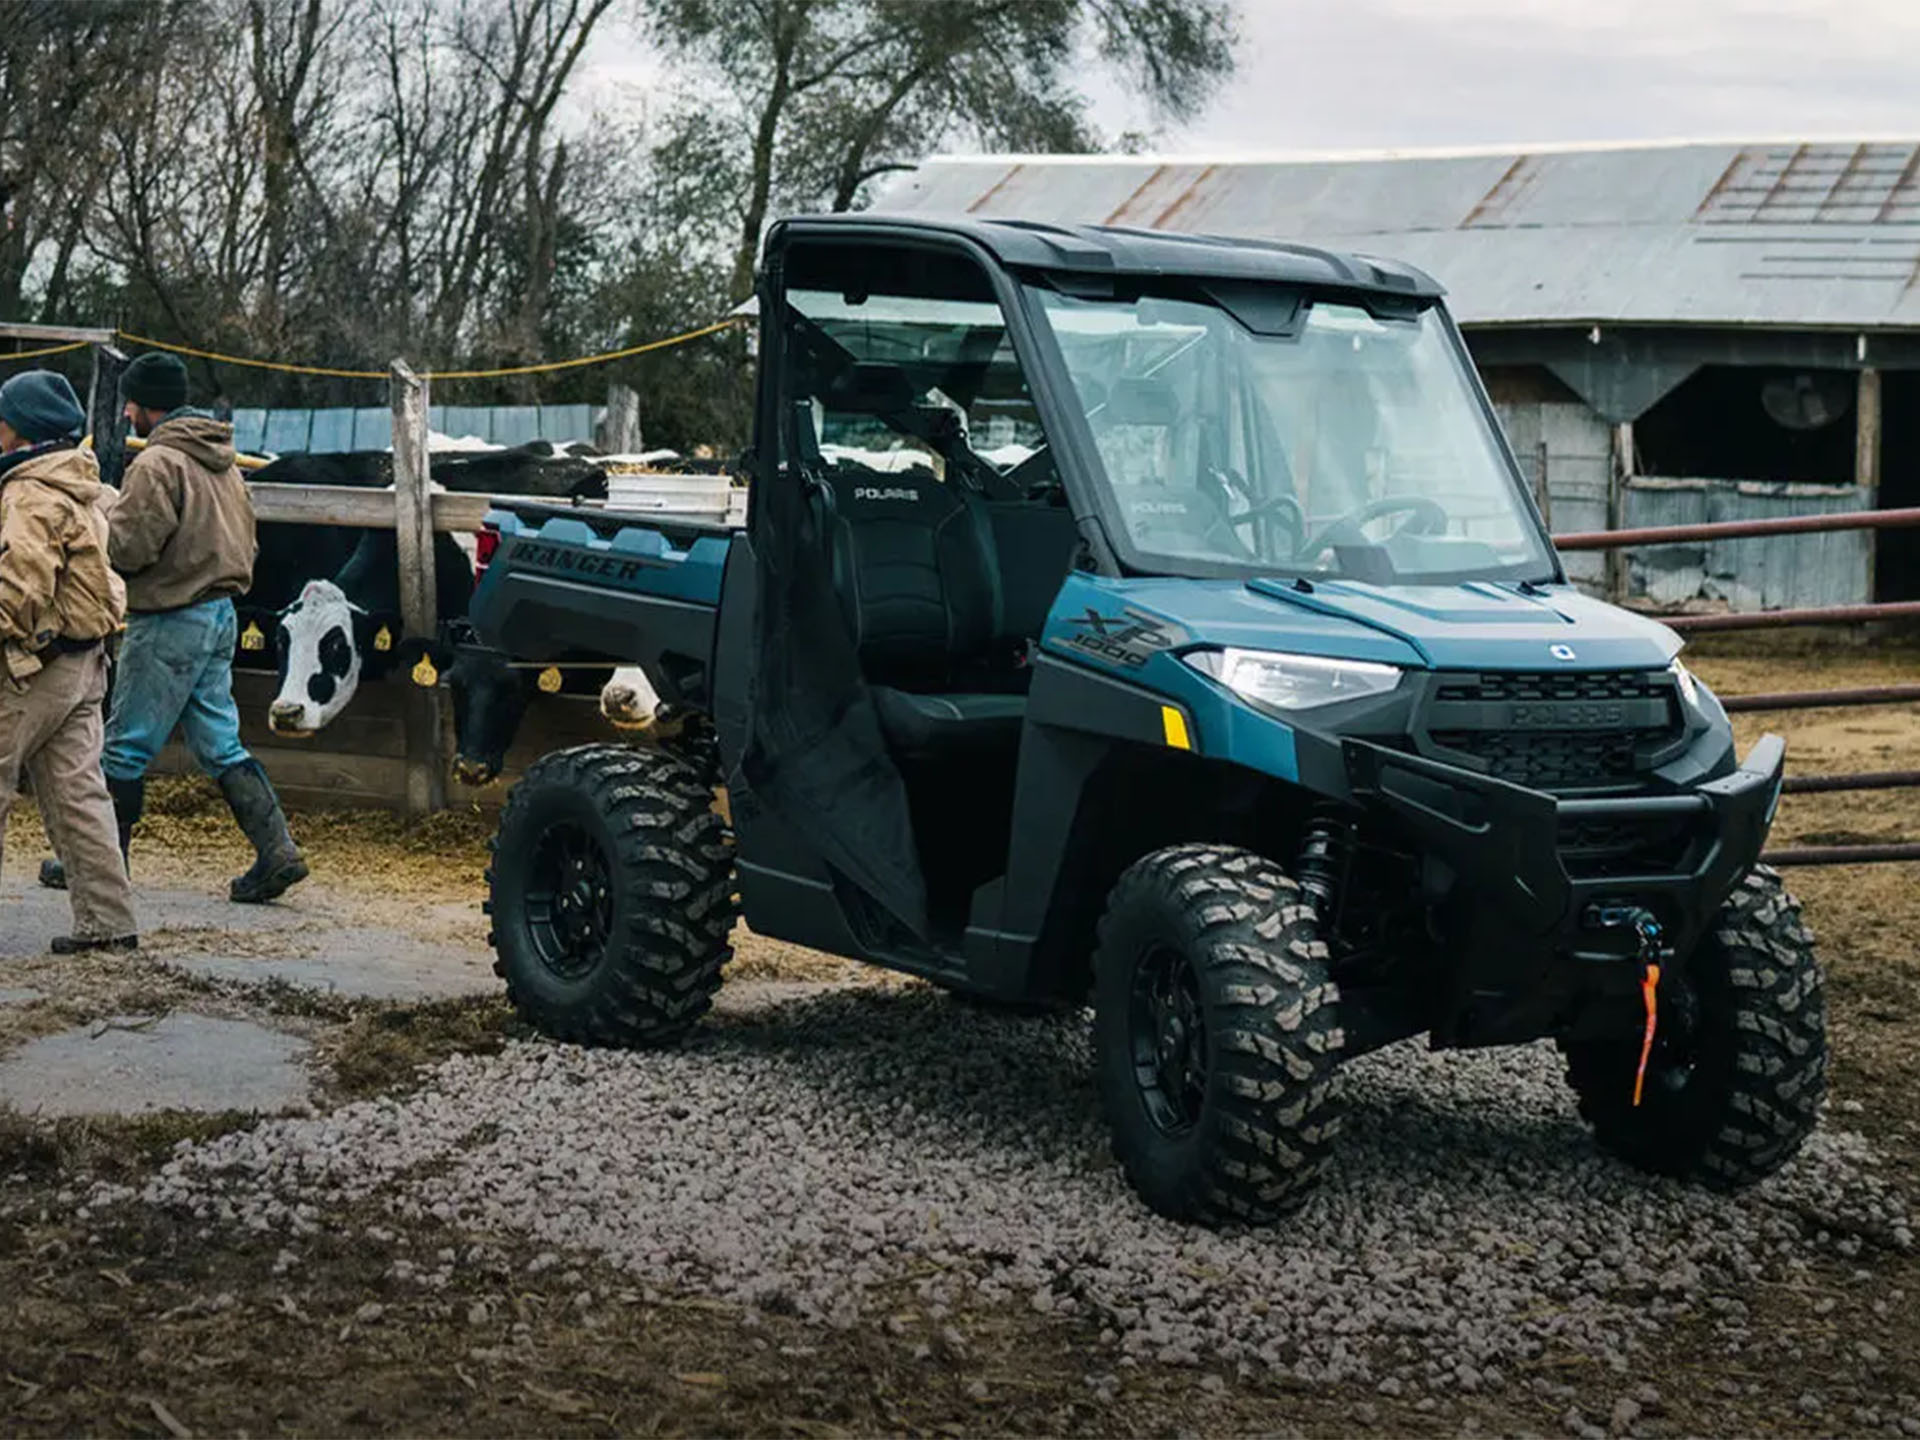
{"x": 1735, "y": 1087}
{"x": 1217, "y": 1034}
{"x": 611, "y": 892}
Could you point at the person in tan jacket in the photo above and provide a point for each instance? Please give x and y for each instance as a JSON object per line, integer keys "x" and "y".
{"x": 60, "y": 606}
{"x": 182, "y": 536}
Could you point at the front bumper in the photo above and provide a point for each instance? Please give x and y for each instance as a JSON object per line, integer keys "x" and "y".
{"x": 1528, "y": 912}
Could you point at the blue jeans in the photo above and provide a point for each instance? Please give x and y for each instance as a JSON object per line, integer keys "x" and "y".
{"x": 175, "y": 668}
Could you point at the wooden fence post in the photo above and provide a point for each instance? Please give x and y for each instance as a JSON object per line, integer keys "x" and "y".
{"x": 104, "y": 413}
{"x": 1622, "y": 471}
{"x": 1866, "y": 462}
{"x": 620, "y": 434}
{"x": 413, "y": 536}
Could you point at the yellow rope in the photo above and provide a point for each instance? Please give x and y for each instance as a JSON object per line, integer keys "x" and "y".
{"x": 50, "y": 350}
{"x": 430, "y": 375}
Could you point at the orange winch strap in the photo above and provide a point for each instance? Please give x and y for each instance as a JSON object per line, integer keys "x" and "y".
{"x": 1649, "y": 993}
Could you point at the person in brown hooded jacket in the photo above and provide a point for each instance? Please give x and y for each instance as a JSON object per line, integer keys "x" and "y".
{"x": 60, "y": 606}
{"x": 182, "y": 536}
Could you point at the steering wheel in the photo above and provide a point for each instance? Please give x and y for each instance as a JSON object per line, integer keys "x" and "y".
{"x": 1283, "y": 508}
{"x": 1428, "y": 517}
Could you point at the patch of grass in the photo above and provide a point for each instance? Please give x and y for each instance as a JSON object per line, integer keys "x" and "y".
{"x": 105, "y": 1146}
{"x": 384, "y": 1049}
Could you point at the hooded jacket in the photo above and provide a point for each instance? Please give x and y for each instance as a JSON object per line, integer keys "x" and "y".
{"x": 183, "y": 527}
{"x": 55, "y": 582}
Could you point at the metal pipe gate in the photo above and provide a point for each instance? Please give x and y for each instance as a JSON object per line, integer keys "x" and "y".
{"x": 1801, "y": 699}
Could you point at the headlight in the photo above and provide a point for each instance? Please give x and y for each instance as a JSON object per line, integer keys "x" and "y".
{"x": 1293, "y": 682}
{"x": 1683, "y": 677}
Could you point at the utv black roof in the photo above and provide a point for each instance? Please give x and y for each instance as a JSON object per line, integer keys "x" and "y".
{"x": 1119, "y": 250}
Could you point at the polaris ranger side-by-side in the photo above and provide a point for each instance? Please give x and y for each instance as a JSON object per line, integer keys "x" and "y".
{"x": 1160, "y": 621}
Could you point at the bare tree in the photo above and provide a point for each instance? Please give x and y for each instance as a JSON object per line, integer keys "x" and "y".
{"x": 827, "y": 95}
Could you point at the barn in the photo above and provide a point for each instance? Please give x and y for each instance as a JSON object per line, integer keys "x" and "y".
{"x": 1672, "y": 333}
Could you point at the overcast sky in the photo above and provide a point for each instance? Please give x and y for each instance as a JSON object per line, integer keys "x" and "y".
{"x": 1345, "y": 74}
{"x": 1370, "y": 74}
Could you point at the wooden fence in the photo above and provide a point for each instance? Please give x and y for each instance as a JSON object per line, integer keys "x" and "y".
{"x": 393, "y": 743}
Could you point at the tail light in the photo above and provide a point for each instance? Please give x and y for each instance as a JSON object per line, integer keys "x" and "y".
{"x": 485, "y": 544}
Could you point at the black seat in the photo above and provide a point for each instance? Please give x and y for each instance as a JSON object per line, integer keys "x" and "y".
{"x": 948, "y": 725}
{"x": 914, "y": 565}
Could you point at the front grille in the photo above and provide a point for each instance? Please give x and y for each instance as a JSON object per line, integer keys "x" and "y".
{"x": 1556, "y": 685}
{"x": 1548, "y": 760}
{"x": 1556, "y": 730}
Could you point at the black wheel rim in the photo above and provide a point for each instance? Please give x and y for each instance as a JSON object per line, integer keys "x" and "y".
{"x": 1167, "y": 1032}
{"x": 1676, "y": 1042}
{"x": 570, "y": 900}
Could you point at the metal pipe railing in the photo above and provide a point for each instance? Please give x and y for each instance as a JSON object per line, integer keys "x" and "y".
{"x": 1781, "y": 619}
{"x": 1856, "y": 780}
{"x": 1820, "y": 699}
{"x": 1739, "y": 529}
{"x": 1840, "y": 854}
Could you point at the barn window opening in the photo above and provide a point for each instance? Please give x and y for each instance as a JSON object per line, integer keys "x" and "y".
{"x": 1896, "y": 567}
{"x": 1739, "y": 423}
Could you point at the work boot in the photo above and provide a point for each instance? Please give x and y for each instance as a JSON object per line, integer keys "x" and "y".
{"x": 277, "y": 864}
{"x": 129, "y": 802}
{"x": 82, "y": 944}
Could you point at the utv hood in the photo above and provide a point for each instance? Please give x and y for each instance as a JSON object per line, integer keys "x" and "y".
{"x": 1475, "y": 626}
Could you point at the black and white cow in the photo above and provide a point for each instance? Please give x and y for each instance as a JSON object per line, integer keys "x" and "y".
{"x": 347, "y": 627}
{"x": 328, "y": 636}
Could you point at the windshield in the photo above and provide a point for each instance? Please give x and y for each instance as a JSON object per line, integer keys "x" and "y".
{"x": 1335, "y": 444}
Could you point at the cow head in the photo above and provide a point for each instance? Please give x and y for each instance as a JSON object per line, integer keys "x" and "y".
{"x": 323, "y": 643}
{"x": 490, "y": 698}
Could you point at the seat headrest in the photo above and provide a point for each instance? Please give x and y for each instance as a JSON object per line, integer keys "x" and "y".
{"x": 1141, "y": 400}
{"x": 870, "y": 387}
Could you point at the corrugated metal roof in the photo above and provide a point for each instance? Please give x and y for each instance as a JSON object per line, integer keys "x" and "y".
{"x": 1783, "y": 234}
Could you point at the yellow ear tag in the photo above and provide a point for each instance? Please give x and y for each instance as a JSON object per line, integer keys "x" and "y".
{"x": 424, "y": 675}
{"x": 549, "y": 681}
{"x": 383, "y": 640}
{"x": 251, "y": 638}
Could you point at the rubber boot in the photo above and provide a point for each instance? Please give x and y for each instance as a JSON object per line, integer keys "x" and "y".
{"x": 277, "y": 864}
{"x": 129, "y": 802}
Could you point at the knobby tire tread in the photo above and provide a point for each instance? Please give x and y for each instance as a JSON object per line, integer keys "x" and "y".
{"x": 674, "y": 857}
{"x": 1772, "y": 1017}
{"x": 1273, "y": 1014}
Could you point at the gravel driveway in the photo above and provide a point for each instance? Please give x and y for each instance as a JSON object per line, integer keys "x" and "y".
{"x": 826, "y": 1155}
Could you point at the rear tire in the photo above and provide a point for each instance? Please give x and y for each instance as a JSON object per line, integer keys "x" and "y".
{"x": 1216, "y": 1035}
{"x": 611, "y": 892}
{"x": 1731, "y": 1098}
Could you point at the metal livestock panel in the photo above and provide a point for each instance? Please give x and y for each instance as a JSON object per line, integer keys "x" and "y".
{"x": 287, "y": 431}
{"x": 332, "y": 432}
{"x": 1777, "y": 572}
{"x": 561, "y": 423}
{"x": 249, "y": 431}
{"x": 372, "y": 428}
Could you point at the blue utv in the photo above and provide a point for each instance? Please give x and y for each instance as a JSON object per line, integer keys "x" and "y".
{"x": 1158, "y": 623}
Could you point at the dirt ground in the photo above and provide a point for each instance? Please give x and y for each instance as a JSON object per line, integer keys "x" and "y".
{"x": 159, "y": 1326}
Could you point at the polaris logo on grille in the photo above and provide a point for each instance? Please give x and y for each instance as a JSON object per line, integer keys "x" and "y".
{"x": 1560, "y": 652}
{"x": 868, "y": 492}
{"x": 1546, "y": 715}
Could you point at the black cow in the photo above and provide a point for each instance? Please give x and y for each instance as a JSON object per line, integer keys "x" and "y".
{"x": 491, "y": 696}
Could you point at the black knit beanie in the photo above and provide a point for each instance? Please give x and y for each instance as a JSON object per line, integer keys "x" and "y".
{"x": 155, "y": 381}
